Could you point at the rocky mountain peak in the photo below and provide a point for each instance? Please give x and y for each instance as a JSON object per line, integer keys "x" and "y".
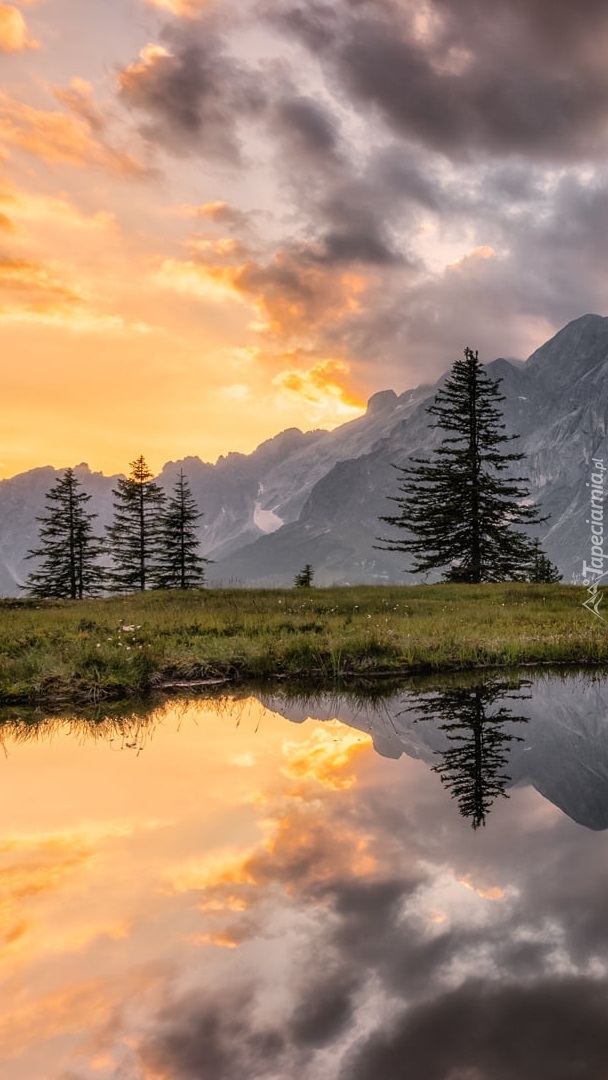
{"x": 383, "y": 401}
{"x": 573, "y": 352}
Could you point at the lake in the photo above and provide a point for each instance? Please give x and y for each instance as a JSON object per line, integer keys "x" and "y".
{"x": 287, "y": 886}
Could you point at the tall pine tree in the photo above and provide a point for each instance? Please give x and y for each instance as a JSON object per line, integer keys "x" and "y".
{"x": 180, "y": 566}
{"x": 134, "y": 532}
{"x": 69, "y": 552}
{"x": 460, "y": 509}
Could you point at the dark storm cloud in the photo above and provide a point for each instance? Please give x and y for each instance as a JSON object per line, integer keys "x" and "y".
{"x": 343, "y": 202}
{"x": 305, "y": 129}
{"x": 192, "y": 94}
{"x": 211, "y": 1038}
{"x": 324, "y": 1011}
{"x": 548, "y": 1031}
{"x": 503, "y": 78}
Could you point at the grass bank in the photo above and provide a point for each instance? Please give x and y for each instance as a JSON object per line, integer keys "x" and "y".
{"x": 120, "y": 646}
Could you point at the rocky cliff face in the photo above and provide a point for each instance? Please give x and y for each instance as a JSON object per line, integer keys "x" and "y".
{"x": 317, "y": 497}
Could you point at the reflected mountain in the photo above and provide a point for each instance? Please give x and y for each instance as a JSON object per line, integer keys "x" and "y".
{"x": 478, "y": 744}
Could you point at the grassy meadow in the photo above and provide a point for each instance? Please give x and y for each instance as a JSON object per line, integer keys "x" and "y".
{"x": 92, "y": 650}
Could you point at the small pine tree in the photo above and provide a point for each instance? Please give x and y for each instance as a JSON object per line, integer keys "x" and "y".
{"x": 542, "y": 571}
{"x": 303, "y": 580}
{"x": 69, "y": 552}
{"x": 459, "y": 510}
{"x": 134, "y": 532}
{"x": 179, "y": 564}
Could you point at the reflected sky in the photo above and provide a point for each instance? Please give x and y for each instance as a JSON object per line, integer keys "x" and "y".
{"x": 219, "y": 893}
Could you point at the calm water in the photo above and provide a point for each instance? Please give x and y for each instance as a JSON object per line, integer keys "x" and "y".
{"x": 412, "y": 887}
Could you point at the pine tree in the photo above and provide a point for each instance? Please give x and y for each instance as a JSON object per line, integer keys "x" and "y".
{"x": 69, "y": 552}
{"x": 134, "y": 532}
{"x": 303, "y": 580}
{"x": 473, "y": 767}
{"x": 459, "y": 510}
{"x": 542, "y": 571}
{"x": 179, "y": 564}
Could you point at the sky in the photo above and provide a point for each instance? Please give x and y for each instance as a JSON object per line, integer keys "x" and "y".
{"x": 219, "y": 220}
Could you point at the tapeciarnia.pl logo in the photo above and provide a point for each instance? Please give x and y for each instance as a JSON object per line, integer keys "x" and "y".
{"x": 594, "y": 571}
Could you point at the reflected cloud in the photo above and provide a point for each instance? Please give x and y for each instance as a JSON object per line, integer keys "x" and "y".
{"x": 324, "y": 911}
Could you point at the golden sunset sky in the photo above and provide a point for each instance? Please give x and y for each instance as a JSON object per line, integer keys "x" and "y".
{"x": 219, "y": 220}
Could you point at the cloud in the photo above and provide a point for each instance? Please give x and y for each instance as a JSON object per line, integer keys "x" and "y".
{"x": 192, "y": 95}
{"x": 57, "y": 138}
{"x": 33, "y": 280}
{"x": 35, "y": 293}
{"x": 306, "y": 129}
{"x": 14, "y": 36}
{"x": 217, "y": 213}
{"x": 458, "y": 77}
{"x": 551, "y": 1030}
{"x": 211, "y": 1037}
{"x": 323, "y": 758}
{"x": 188, "y": 9}
{"x": 295, "y": 297}
{"x": 324, "y": 387}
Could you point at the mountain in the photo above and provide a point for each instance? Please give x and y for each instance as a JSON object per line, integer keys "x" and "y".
{"x": 316, "y": 497}
{"x": 557, "y": 402}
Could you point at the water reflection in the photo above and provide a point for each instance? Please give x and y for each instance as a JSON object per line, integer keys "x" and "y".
{"x": 231, "y": 895}
{"x": 473, "y": 766}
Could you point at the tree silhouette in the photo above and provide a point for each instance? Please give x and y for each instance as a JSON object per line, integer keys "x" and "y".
{"x": 459, "y": 510}
{"x": 69, "y": 552}
{"x": 134, "y": 532}
{"x": 473, "y": 767}
{"x": 303, "y": 580}
{"x": 542, "y": 571}
{"x": 179, "y": 564}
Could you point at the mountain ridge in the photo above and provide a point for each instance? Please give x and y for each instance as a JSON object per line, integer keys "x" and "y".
{"x": 317, "y": 496}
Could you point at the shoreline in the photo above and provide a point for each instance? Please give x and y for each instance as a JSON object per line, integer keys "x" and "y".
{"x": 83, "y": 652}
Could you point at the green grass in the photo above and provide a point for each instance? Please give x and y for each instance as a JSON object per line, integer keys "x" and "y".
{"x": 84, "y": 651}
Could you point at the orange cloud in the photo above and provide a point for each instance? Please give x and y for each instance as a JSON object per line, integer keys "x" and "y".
{"x": 187, "y": 9}
{"x": 304, "y": 845}
{"x": 48, "y": 209}
{"x": 473, "y": 257}
{"x": 14, "y": 35}
{"x": 40, "y": 293}
{"x": 218, "y": 212}
{"x": 291, "y": 297}
{"x": 31, "y": 870}
{"x": 215, "y": 283}
{"x": 21, "y": 274}
{"x": 223, "y": 940}
{"x": 491, "y": 892}
{"x": 324, "y": 388}
{"x": 294, "y": 297}
{"x": 328, "y": 752}
{"x": 57, "y": 138}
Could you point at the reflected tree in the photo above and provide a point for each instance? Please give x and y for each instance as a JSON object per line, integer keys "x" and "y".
{"x": 473, "y": 767}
